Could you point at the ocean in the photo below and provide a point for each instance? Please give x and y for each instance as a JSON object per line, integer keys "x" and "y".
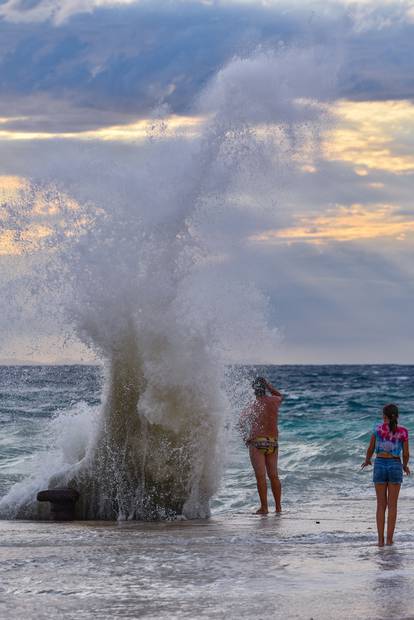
{"x": 317, "y": 560}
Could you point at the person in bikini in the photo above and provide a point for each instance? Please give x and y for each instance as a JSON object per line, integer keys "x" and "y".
{"x": 389, "y": 441}
{"x": 259, "y": 428}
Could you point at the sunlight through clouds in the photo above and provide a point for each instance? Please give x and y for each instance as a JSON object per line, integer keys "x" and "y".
{"x": 46, "y": 213}
{"x": 369, "y": 135}
{"x": 373, "y": 135}
{"x": 97, "y": 96}
{"x": 9, "y": 186}
{"x": 171, "y": 127}
{"x": 342, "y": 224}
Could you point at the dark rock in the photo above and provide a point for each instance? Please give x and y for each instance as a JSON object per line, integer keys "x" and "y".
{"x": 62, "y": 503}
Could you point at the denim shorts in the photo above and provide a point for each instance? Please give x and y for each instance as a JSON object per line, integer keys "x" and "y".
{"x": 387, "y": 470}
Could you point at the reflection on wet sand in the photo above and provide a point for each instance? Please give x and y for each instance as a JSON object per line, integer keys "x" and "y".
{"x": 392, "y": 587}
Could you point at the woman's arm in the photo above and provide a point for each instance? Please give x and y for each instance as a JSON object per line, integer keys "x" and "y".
{"x": 273, "y": 391}
{"x": 370, "y": 452}
{"x": 406, "y": 457}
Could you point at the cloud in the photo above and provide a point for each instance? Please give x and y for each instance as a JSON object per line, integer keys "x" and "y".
{"x": 365, "y": 12}
{"x": 100, "y": 75}
{"x": 373, "y": 135}
{"x": 33, "y": 217}
{"x": 120, "y": 61}
{"x": 338, "y": 303}
{"x": 344, "y": 224}
{"x": 58, "y": 11}
{"x": 143, "y": 129}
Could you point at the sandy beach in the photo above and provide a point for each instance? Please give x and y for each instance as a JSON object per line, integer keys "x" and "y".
{"x": 320, "y": 565}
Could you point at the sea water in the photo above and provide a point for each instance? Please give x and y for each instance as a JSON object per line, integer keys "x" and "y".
{"x": 325, "y": 423}
{"x": 318, "y": 559}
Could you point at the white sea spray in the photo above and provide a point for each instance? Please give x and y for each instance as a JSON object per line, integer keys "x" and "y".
{"x": 136, "y": 261}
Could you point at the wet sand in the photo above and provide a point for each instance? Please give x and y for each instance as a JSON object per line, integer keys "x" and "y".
{"x": 235, "y": 566}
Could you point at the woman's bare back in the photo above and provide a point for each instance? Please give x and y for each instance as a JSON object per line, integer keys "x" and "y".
{"x": 263, "y": 416}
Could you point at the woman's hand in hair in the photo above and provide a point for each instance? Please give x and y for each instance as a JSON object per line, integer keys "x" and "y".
{"x": 273, "y": 390}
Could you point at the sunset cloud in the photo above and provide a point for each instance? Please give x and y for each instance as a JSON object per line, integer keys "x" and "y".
{"x": 30, "y": 216}
{"x": 344, "y": 224}
{"x": 141, "y": 129}
{"x": 373, "y": 135}
{"x": 84, "y": 84}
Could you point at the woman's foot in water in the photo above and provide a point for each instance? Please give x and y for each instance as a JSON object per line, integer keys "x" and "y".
{"x": 390, "y": 542}
{"x": 380, "y": 542}
{"x": 262, "y": 511}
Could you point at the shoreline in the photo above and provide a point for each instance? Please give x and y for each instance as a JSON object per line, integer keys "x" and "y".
{"x": 235, "y": 565}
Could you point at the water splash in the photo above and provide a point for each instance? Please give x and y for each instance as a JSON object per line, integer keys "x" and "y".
{"x": 141, "y": 271}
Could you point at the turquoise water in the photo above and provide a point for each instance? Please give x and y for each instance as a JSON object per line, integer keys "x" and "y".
{"x": 317, "y": 560}
{"x": 325, "y": 423}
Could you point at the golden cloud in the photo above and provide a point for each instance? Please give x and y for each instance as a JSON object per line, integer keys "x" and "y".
{"x": 368, "y": 135}
{"x": 182, "y": 126}
{"x": 8, "y": 246}
{"x": 9, "y": 186}
{"x": 29, "y": 240}
{"x": 44, "y": 213}
{"x": 354, "y": 223}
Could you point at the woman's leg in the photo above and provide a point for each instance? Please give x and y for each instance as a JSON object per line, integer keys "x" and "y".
{"x": 393, "y": 492}
{"x": 381, "y": 491}
{"x": 271, "y": 468}
{"x": 257, "y": 459}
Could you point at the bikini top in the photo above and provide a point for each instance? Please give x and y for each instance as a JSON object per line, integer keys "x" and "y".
{"x": 386, "y": 441}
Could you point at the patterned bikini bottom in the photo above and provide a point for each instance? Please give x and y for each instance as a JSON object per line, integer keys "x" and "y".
{"x": 265, "y": 445}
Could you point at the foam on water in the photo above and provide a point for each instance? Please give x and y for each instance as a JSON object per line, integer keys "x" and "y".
{"x": 136, "y": 259}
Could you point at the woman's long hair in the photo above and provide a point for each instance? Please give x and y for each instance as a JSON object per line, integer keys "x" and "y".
{"x": 391, "y": 412}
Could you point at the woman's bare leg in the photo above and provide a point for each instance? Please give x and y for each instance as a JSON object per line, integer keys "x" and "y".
{"x": 271, "y": 468}
{"x": 381, "y": 491}
{"x": 393, "y": 492}
{"x": 257, "y": 459}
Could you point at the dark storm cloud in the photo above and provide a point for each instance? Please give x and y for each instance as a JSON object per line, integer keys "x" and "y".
{"x": 125, "y": 60}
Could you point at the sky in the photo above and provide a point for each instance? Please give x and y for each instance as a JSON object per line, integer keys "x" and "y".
{"x": 333, "y": 253}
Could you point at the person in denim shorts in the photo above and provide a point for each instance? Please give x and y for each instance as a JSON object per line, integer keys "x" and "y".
{"x": 388, "y": 441}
